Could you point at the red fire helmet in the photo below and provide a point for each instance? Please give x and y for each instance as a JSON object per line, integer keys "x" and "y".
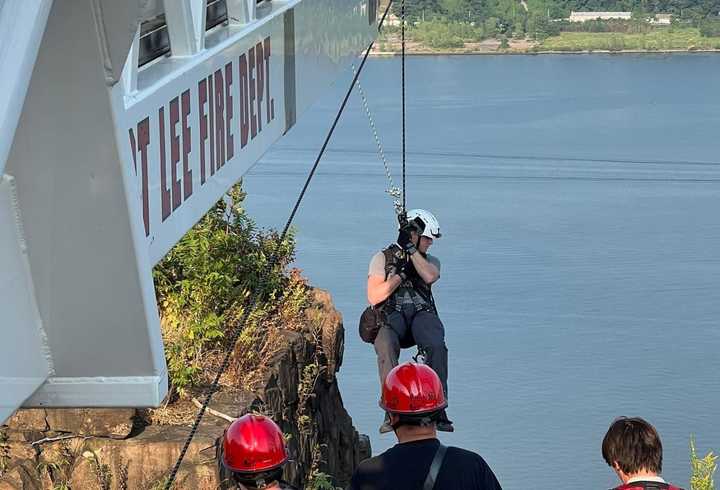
{"x": 253, "y": 444}
{"x": 412, "y": 389}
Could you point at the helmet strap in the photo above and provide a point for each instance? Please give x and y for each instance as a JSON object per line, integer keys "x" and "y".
{"x": 257, "y": 484}
{"x": 259, "y": 480}
{"x": 424, "y": 420}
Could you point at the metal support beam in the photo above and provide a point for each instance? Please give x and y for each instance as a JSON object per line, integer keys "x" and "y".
{"x": 109, "y": 176}
{"x": 94, "y": 289}
{"x": 183, "y": 22}
{"x": 25, "y": 361}
{"x": 18, "y": 50}
{"x": 241, "y": 12}
{"x": 130, "y": 70}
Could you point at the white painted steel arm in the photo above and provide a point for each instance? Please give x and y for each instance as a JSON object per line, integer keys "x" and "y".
{"x": 22, "y": 24}
{"x": 25, "y": 361}
{"x": 186, "y": 26}
{"x": 241, "y": 11}
{"x": 111, "y": 175}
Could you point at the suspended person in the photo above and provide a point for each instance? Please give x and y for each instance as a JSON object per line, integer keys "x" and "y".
{"x": 399, "y": 287}
{"x": 413, "y": 395}
{"x": 633, "y": 449}
{"x": 252, "y": 455}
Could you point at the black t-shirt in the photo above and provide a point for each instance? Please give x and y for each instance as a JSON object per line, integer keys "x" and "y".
{"x": 405, "y": 467}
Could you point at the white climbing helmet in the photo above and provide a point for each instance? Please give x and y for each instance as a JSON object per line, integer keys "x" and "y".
{"x": 426, "y": 222}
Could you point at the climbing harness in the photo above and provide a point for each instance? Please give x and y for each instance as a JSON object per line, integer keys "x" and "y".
{"x": 420, "y": 292}
{"x": 266, "y": 273}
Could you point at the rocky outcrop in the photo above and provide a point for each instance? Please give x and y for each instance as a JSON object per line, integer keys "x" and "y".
{"x": 114, "y": 449}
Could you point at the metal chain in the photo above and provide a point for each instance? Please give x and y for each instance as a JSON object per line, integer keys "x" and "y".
{"x": 266, "y": 273}
{"x": 392, "y": 190}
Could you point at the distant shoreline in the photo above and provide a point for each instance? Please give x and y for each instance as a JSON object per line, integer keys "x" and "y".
{"x": 390, "y": 54}
{"x": 427, "y": 41}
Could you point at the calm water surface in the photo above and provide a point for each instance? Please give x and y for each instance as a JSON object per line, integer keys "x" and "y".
{"x": 579, "y": 198}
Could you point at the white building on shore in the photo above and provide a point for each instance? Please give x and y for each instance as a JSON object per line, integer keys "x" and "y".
{"x": 585, "y": 16}
{"x": 661, "y": 19}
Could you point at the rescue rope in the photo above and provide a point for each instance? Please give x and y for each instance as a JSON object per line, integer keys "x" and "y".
{"x": 264, "y": 278}
{"x": 402, "y": 83}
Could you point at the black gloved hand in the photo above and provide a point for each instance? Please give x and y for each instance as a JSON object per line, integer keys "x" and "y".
{"x": 403, "y": 269}
{"x": 405, "y": 240}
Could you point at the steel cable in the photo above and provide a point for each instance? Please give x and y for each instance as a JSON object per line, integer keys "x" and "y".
{"x": 392, "y": 190}
{"x": 402, "y": 83}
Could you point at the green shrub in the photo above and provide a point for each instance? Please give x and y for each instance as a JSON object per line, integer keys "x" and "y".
{"x": 703, "y": 469}
{"x": 540, "y": 27}
{"x": 440, "y": 34}
{"x": 710, "y": 27}
{"x": 203, "y": 282}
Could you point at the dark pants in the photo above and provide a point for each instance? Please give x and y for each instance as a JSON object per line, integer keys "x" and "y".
{"x": 422, "y": 327}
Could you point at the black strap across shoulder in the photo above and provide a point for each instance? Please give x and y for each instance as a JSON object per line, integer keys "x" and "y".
{"x": 435, "y": 468}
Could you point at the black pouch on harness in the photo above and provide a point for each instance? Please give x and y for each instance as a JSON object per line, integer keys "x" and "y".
{"x": 371, "y": 320}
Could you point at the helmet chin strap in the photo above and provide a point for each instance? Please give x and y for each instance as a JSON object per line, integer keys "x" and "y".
{"x": 255, "y": 484}
{"x": 259, "y": 485}
{"x": 424, "y": 421}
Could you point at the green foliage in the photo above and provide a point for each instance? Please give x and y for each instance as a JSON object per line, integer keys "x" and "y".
{"x": 441, "y": 34}
{"x": 57, "y": 471}
{"x": 203, "y": 282}
{"x": 703, "y": 469}
{"x": 658, "y": 40}
{"x": 490, "y": 26}
{"x": 513, "y": 16}
{"x": 710, "y": 27}
{"x": 160, "y": 484}
{"x": 540, "y": 27}
{"x": 608, "y": 25}
{"x": 318, "y": 480}
{"x": 102, "y": 471}
{"x": 4, "y": 452}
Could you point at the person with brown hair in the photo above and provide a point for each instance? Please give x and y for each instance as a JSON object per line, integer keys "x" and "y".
{"x": 633, "y": 449}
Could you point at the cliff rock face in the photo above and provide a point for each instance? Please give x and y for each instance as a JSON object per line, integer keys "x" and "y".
{"x": 113, "y": 449}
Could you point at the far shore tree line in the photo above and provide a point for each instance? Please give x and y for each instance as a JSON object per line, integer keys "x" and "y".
{"x": 450, "y": 23}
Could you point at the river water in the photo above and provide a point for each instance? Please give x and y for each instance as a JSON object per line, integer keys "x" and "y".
{"x": 579, "y": 197}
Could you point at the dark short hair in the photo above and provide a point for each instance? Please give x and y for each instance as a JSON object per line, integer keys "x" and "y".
{"x": 634, "y": 444}
{"x": 425, "y": 419}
